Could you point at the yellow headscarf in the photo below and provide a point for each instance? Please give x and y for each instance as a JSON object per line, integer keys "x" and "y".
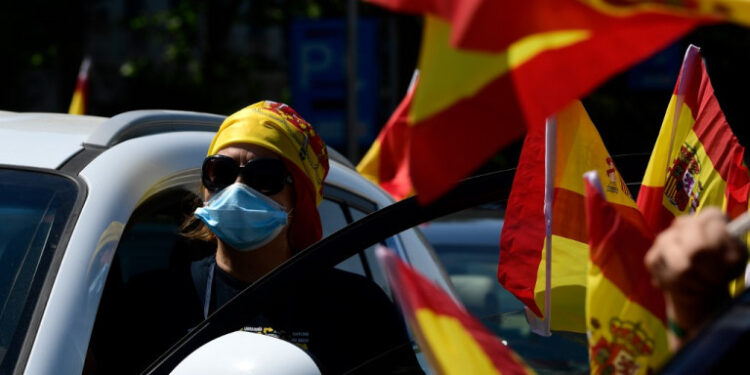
{"x": 278, "y": 127}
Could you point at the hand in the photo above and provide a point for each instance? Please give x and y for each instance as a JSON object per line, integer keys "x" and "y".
{"x": 693, "y": 262}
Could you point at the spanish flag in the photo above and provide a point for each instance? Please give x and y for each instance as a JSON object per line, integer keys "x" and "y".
{"x": 545, "y": 211}
{"x": 79, "y": 103}
{"x": 490, "y": 69}
{"x": 386, "y": 163}
{"x": 453, "y": 341}
{"x": 625, "y": 314}
{"x": 697, "y": 161}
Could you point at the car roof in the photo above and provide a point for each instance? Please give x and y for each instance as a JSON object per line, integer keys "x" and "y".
{"x": 48, "y": 140}
{"x": 43, "y": 140}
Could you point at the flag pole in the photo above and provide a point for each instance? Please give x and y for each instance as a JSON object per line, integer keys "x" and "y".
{"x": 538, "y": 326}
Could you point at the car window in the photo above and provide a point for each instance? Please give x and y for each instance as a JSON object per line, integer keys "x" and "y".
{"x": 467, "y": 244}
{"x": 339, "y": 208}
{"x": 34, "y": 209}
{"x": 150, "y": 245}
{"x": 333, "y": 218}
{"x": 378, "y": 275}
{"x": 288, "y": 277}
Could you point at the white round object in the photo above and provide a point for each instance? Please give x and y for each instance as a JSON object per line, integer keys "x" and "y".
{"x": 247, "y": 353}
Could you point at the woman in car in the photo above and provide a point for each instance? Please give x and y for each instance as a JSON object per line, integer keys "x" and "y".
{"x": 262, "y": 181}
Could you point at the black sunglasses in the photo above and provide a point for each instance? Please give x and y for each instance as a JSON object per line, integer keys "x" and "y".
{"x": 267, "y": 176}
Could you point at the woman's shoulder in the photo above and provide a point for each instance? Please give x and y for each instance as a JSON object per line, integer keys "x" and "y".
{"x": 346, "y": 279}
{"x": 338, "y": 284}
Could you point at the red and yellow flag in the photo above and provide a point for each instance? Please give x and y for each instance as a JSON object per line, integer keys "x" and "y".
{"x": 79, "y": 103}
{"x": 625, "y": 314}
{"x": 386, "y": 163}
{"x": 491, "y": 68}
{"x": 453, "y": 341}
{"x": 697, "y": 161}
{"x": 574, "y": 148}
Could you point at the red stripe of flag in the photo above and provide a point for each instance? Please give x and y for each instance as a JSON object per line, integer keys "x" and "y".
{"x": 711, "y": 125}
{"x": 393, "y": 167}
{"x": 474, "y": 20}
{"x": 580, "y": 67}
{"x": 415, "y": 292}
{"x": 618, "y": 249}
{"x": 517, "y": 272}
{"x": 650, "y": 200}
{"x": 451, "y": 144}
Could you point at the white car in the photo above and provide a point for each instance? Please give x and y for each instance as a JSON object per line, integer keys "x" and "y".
{"x": 88, "y": 202}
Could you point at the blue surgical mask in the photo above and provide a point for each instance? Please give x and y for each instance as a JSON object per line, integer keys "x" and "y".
{"x": 242, "y": 217}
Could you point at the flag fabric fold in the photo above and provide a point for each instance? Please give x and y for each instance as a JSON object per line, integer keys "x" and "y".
{"x": 386, "y": 163}
{"x": 481, "y": 82}
{"x": 697, "y": 161}
{"x": 79, "y": 103}
{"x": 523, "y": 252}
{"x": 453, "y": 341}
{"x": 625, "y": 314}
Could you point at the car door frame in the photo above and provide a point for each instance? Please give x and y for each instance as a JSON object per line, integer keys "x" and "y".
{"x": 117, "y": 183}
{"x": 328, "y": 252}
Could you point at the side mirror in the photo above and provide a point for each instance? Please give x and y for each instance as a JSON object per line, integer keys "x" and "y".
{"x": 247, "y": 353}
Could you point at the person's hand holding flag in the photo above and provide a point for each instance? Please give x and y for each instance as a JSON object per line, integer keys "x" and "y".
{"x": 693, "y": 261}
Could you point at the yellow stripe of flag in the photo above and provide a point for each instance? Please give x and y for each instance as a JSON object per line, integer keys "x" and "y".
{"x": 655, "y": 171}
{"x": 451, "y": 347}
{"x": 621, "y": 332}
{"x": 568, "y": 284}
{"x": 449, "y": 74}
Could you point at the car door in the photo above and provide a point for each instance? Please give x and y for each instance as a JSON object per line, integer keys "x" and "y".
{"x": 117, "y": 180}
{"x": 357, "y": 237}
{"x": 151, "y": 244}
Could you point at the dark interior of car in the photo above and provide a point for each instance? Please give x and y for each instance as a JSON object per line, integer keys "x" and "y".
{"x": 150, "y": 245}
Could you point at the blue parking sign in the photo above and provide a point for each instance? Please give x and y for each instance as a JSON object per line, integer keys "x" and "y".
{"x": 318, "y": 77}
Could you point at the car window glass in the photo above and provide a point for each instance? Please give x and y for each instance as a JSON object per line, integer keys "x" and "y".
{"x": 377, "y": 272}
{"x": 333, "y": 218}
{"x": 34, "y": 209}
{"x": 467, "y": 244}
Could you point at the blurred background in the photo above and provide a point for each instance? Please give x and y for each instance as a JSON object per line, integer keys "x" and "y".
{"x": 219, "y": 56}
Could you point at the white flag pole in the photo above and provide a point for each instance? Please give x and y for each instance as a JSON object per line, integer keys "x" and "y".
{"x": 538, "y": 326}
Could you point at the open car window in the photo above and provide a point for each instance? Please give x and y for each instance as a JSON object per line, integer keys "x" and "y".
{"x": 466, "y": 242}
{"x": 152, "y": 254}
{"x": 330, "y": 251}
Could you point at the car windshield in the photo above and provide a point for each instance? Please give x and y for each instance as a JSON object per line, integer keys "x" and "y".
{"x": 34, "y": 209}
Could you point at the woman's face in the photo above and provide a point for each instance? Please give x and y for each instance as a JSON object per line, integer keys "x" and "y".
{"x": 243, "y": 153}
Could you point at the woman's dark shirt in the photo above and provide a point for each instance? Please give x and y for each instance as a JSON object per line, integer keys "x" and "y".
{"x": 344, "y": 321}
